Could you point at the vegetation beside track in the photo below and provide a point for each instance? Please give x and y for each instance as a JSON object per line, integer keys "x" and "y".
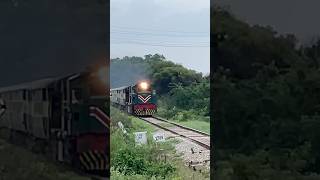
{"x": 195, "y": 124}
{"x": 150, "y": 161}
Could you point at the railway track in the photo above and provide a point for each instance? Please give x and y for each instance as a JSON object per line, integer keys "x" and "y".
{"x": 198, "y": 137}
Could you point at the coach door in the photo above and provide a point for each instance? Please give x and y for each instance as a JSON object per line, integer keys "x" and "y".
{"x": 55, "y": 123}
{"x": 126, "y": 92}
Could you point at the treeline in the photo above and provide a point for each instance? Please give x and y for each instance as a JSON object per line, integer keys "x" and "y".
{"x": 266, "y": 102}
{"x": 178, "y": 88}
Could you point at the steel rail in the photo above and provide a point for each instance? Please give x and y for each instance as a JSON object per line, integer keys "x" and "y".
{"x": 174, "y": 132}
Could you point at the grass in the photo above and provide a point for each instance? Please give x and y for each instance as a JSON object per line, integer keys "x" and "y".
{"x": 198, "y": 125}
{"x": 17, "y": 163}
{"x": 140, "y": 125}
{"x": 182, "y": 173}
{"x": 119, "y": 141}
{"x": 189, "y": 118}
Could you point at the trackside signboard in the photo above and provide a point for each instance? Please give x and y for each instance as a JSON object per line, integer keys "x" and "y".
{"x": 159, "y": 137}
{"x": 141, "y": 137}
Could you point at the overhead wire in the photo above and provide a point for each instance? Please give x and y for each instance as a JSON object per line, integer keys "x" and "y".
{"x": 149, "y": 37}
{"x": 161, "y": 45}
{"x": 158, "y": 29}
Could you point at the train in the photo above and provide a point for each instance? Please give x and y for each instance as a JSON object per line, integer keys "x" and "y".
{"x": 66, "y": 118}
{"x": 138, "y": 99}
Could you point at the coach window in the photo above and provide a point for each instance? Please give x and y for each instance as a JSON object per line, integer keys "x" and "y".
{"x": 25, "y": 121}
{"x": 64, "y": 91}
{"x": 24, "y": 94}
{"x": 44, "y": 94}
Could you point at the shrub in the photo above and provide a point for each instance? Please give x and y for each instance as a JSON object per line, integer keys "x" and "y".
{"x": 118, "y": 116}
{"x": 140, "y": 160}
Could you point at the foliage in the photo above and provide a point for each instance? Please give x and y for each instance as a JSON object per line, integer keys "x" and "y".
{"x": 133, "y": 160}
{"x": 166, "y": 75}
{"x": 129, "y": 159}
{"x": 266, "y": 101}
{"x": 117, "y": 117}
{"x": 116, "y": 175}
{"x": 194, "y": 97}
{"x": 147, "y": 161}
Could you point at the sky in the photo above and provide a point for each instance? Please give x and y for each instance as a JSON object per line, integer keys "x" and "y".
{"x": 286, "y": 16}
{"x": 40, "y": 41}
{"x": 177, "y": 29}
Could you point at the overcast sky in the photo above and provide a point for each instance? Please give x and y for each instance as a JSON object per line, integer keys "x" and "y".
{"x": 286, "y": 16}
{"x": 178, "y": 29}
{"x": 50, "y": 38}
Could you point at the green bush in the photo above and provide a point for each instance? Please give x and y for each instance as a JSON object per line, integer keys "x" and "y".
{"x": 140, "y": 160}
{"x": 129, "y": 159}
{"x": 117, "y": 116}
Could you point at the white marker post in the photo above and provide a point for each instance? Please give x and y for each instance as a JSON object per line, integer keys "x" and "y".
{"x": 159, "y": 137}
{"x": 121, "y": 126}
{"x": 141, "y": 137}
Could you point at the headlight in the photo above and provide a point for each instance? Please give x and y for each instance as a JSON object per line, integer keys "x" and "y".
{"x": 144, "y": 85}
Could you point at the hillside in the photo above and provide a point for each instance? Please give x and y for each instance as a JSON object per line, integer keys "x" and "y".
{"x": 266, "y": 102}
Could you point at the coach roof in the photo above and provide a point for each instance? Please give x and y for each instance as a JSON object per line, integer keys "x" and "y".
{"x": 37, "y": 84}
{"x": 119, "y": 88}
{"x": 29, "y": 85}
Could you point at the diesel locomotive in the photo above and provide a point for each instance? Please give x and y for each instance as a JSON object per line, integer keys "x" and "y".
{"x": 138, "y": 99}
{"x": 66, "y": 118}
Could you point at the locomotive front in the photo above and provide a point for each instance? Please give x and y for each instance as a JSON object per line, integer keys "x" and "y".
{"x": 144, "y": 99}
{"x": 91, "y": 121}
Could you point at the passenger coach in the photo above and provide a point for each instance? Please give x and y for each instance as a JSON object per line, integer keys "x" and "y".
{"x": 65, "y": 117}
